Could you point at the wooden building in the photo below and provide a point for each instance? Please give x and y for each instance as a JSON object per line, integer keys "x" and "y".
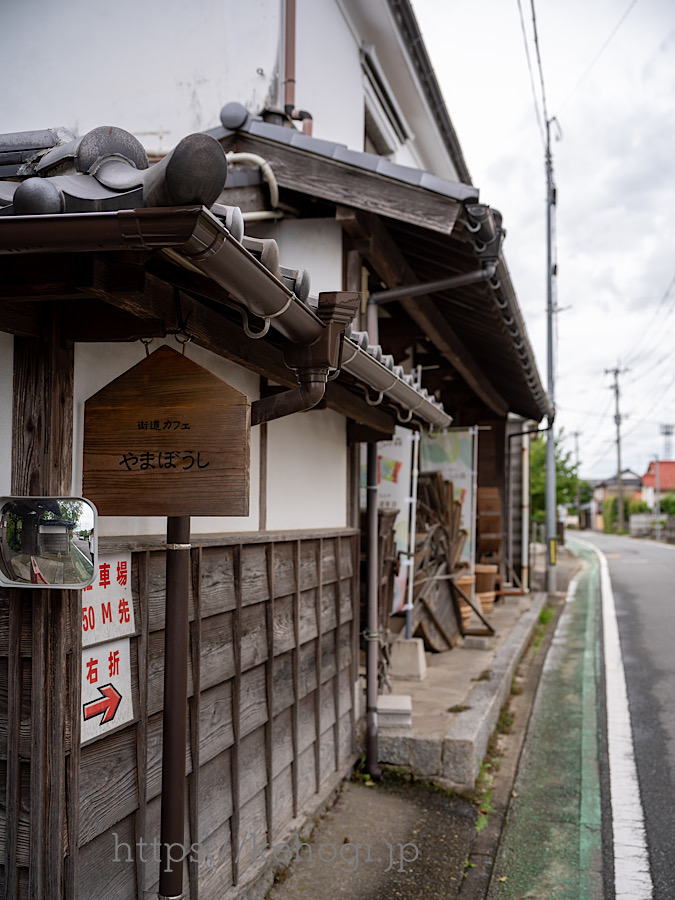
{"x": 100, "y": 250}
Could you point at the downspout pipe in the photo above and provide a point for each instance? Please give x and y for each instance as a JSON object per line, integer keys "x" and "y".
{"x": 299, "y": 115}
{"x": 311, "y": 391}
{"x": 176, "y": 631}
{"x": 525, "y": 514}
{"x": 430, "y": 287}
{"x": 372, "y": 634}
{"x": 289, "y": 54}
{"x": 311, "y": 362}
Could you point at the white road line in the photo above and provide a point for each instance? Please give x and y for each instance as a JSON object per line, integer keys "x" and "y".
{"x": 632, "y": 878}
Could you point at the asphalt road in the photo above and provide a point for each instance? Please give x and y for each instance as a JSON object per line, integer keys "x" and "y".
{"x": 643, "y": 582}
{"x": 551, "y": 846}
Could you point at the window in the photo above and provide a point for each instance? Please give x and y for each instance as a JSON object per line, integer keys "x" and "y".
{"x": 385, "y": 128}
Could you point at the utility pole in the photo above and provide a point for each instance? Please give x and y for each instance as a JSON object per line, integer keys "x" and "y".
{"x": 577, "y": 500}
{"x": 667, "y": 432}
{"x": 617, "y": 419}
{"x": 657, "y": 478}
{"x": 551, "y": 493}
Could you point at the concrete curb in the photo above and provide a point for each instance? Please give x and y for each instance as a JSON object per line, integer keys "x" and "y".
{"x": 454, "y": 759}
{"x": 466, "y": 742}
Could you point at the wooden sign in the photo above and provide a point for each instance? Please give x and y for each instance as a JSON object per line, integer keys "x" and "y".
{"x": 167, "y": 438}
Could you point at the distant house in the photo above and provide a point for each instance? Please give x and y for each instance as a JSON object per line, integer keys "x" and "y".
{"x": 631, "y": 485}
{"x": 659, "y": 479}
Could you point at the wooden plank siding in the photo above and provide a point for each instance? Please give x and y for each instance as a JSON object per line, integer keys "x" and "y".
{"x": 273, "y": 631}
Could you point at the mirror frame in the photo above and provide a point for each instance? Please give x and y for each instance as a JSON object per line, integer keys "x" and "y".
{"x": 7, "y": 582}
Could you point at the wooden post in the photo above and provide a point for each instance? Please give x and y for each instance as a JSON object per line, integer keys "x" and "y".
{"x": 41, "y": 465}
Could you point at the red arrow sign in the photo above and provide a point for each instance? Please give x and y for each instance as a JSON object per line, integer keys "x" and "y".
{"x": 108, "y": 705}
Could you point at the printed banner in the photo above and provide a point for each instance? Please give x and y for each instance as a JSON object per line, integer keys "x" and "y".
{"x": 393, "y": 492}
{"x": 452, "y": 454}
{"x": 106, "y": 688}
{"x": 107, "y": 607}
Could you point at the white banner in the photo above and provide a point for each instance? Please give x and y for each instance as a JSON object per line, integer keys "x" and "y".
{"x": 393, "y": 492}
{"x": 106, "y": 688}
{"x": 107, "y": 607}
{"x": 453, "y": 455}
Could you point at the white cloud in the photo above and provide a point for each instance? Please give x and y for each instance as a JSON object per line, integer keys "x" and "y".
{"x": 615, "y": 174}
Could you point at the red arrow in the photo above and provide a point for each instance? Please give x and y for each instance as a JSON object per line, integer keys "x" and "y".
{"x": 107, "y": 706}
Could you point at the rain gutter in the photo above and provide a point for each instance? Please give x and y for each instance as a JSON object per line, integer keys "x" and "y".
{"x": 190, "y": 236}
{"x": 505, "y": 298}
{"x": 367, "y": 363}
{"x": 195, "y": 239}
{"x": 430, "y": 287}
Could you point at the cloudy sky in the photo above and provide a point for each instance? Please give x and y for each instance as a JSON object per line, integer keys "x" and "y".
{"x": 609, "y": 78}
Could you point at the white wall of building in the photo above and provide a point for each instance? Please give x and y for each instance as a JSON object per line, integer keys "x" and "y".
{"x": 160, "y": 69}
{"x": 307, "y": 471}
{"x": 328, "y": 73}
{"x": 6, "y": 383}
{"x": 163, "y": 69}
{"x": 312, "y": 244}
{"x": 97, "y": 365}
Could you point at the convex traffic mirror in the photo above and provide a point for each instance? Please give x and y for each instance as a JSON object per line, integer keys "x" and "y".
{"x": 47, "y": 542}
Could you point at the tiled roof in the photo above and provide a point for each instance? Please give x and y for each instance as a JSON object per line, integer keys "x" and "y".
{"x": 236, "y": 118}
{"x": 666, "y": 475}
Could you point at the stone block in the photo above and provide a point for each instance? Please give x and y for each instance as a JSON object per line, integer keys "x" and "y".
{"x": 426, "y": 756}
{"x": 408, "y": 660}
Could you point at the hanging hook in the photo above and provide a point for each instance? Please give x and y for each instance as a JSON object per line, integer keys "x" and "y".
{"x": 185, "y": 339}
{"x": 182, "y": 322}
{"x": 146, "y": 342}
{"x": 374, "y": 402}
{"x": 255, "y": 335}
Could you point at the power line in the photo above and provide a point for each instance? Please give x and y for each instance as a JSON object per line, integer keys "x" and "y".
{"x": 653, "y": 406}
{"x": 635, "y": 357}
{"x": 529, "y": 68}
{"x": 600, "y": 51}
{"x": 541, "y": 71}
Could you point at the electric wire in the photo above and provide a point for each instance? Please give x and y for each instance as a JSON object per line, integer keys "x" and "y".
{"x": 602, "y": 49}
{"x": 651, "y": 409}
{"x": 667, "y": 357}
{"x": 541, "y": 71}
{"x": 529, "y": 68}
{"x": 635, "y": 357}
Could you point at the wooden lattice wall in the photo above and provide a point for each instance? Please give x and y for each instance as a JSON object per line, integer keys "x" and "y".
{"x": 273, "y": 667}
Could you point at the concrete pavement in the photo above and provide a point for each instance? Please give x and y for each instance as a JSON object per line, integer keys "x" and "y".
{"x": 411, "y": 836}
{"x": 551, "y": 845}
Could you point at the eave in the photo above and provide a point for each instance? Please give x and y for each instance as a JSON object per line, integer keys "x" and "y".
{"x": 135, "y": 259}
{"x": 411, "y": 228}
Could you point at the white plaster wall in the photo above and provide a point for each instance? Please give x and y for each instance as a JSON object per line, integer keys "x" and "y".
{"x": 328, "y": 72}
{"x": 6, "y": 382}
{"x": 312, "y": 244}
{"x": 373, "y": 22}
{"x": 98, "y": 364}
{"x": 307, "y": 471}
{"x": 160, "y": 69}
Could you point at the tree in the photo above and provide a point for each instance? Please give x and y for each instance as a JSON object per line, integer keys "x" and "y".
{"x": 610, "y": 512}
{"x": 567, "y": 478}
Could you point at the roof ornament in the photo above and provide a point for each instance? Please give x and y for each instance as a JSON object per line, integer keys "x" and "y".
{"x": 107, "y": 170}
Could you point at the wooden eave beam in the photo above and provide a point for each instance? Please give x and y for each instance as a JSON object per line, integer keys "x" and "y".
{"x": 377, "y": 246}
{"x": 140, "y": 301}
{"x": 337, "y": 182}
{"x": 211, "y": 330}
